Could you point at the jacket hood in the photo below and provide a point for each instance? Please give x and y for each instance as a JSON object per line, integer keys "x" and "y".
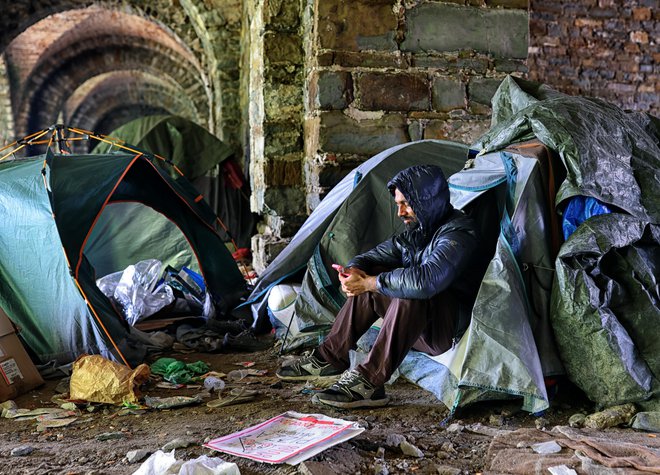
{"x": 427, "y": 192}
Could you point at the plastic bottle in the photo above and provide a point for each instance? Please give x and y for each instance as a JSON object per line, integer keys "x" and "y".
{"x": 237, "y": 374}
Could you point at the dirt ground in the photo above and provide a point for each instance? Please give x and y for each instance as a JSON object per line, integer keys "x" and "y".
{"x": 412, "y": 413}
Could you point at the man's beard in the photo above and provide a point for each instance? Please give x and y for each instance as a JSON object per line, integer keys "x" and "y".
{"x": 411, "y": 225}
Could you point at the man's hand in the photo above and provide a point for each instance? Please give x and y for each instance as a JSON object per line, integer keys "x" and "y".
{"x": 357, "y": 282}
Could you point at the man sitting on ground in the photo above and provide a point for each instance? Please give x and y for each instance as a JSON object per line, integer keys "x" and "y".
{"x": 419, "y": 282}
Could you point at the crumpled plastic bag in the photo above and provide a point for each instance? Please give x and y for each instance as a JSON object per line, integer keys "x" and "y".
{"x": 178, "y": 372}
{"x": 97, "y": 379}
{"x": 134, "y": 289}
{"x": 578, "y": 210}
{"x": 164, "y": 463}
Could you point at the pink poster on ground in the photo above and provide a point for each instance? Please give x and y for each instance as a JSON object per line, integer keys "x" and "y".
{"x": 288, "y": 438}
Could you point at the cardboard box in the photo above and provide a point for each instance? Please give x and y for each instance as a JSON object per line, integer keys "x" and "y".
{"x": 18, "y": 374}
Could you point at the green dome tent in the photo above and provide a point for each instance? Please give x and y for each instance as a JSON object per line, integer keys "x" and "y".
{"x": 70, "y": 219}
{"x": 203, "y": 159}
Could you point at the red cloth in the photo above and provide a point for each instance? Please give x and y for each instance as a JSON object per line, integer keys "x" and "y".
{"x": 242, "y": 254}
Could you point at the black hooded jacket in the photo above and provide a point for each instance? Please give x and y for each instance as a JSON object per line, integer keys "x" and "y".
{"x": 432, "y": 257}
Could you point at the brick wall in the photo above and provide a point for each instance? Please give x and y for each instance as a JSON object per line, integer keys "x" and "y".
{"x": 384, "y": 72}
{"x": 601, "y": 48}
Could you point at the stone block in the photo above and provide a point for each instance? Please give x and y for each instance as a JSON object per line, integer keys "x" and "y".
{"x": 284, "y": 171}
{"x": 265, "y": 248}
{"x": 281, "y": 47}
{"x": 416, "y": 130}
{"x": 573, "y": 9}
{"x": 333, "y": 89}
{"x": 457, "y": 130}
{"x": 603, "y": 12}
{"x": 404, "y": 92}
{"x": 641, "y": 37}
{"x": 445, "y": 27}
{"x": 642, "y": 14}
{"x": 537, "y": 28}
{"x": 510, "y": 66}
{"x": 448, "y": 94}
{"x": 588, "y": 22}
{"x": 326, "y": 58}
{"x": 339, "y": 133}
{"x": 282, "y": 138}
{"x": 557, "y": 29}
{"x": 623, "y": 89}
{"x": 283, "y": 101}
{"x": 356, "y": 25}
{"x": 435, "y": 61}
{"x": 478, "y": 65}
{"x": 372, "y": 59}
{"x": 285, "y": 201}
{"x": 282, "y": 14}
{"x": 481, "y": 90}
{"x": 548, "y": 7}
{"x": 519, "y": 4}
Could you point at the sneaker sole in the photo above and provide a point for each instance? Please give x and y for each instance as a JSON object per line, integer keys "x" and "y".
{"x": 320, "y": 379}
{"x": 353, "y": 404}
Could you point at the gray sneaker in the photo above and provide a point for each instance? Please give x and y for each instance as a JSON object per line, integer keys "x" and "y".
{"x": 352, "y": 391}
{"x": 309, "y": 367}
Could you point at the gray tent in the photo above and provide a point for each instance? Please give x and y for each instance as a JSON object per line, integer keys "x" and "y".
{"x": 540, "y": 138}
{"x": 335, "y": 231}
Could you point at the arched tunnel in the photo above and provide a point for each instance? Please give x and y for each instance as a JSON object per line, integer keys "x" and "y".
{"x": 96, "y": 68}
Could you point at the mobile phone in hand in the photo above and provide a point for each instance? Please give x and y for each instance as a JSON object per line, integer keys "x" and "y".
{"x": 340, "y": 269}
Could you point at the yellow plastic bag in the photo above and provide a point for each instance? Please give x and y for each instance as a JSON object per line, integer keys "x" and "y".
{"x": 96, "y": 379}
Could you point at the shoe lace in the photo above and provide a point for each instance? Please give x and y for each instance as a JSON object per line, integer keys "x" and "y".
{"x": 307, "y": 358}
{"x": 350, "y": 377}
{"x": 244, "y": 335}
{"x": 347, "y": 380}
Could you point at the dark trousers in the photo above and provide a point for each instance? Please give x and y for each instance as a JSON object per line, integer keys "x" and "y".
{"x": 423, "y": 325}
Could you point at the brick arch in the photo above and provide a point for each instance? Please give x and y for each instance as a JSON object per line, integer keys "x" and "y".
{"x": 19, "y": 16}
{"x": 118, "y": 89}
{"x": 116, "y": 80}
{"x": 190, "y": 22}
{"x": 115, "y": 117}
{"x": 56, "y": 79}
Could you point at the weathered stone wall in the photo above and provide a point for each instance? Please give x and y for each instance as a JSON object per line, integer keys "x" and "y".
{"x": 304, "y": 90}
{"x": 385, "y": 72}
{"x": 601, "y": 48}
{"x": 217, "y": 24}
{"x": 273, "y": 56}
